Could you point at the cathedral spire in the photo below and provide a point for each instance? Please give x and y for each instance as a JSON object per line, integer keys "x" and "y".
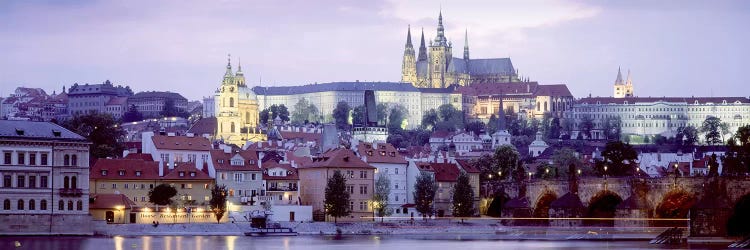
{"x": 618, "y": 81}
{"x": 239, "y": 66}
{"x": 422, "y": 49}
{"x": 229, "y": 65}
{"x": 466, "y": 45}
{"x": 408, "y": 37}
{"x": 440, "y": 39}
{"x": 629, "y": 81}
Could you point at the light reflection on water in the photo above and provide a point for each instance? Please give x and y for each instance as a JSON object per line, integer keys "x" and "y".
{"x": 426, "y": 242}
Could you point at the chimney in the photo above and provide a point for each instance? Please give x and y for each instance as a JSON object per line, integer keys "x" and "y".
{"x": 170, "y": 134}
{"x": 161, "y": 168}
{"x": 190, "y": 135}
{"x": 197, "y": 165}
{"x": 171, "y": 163}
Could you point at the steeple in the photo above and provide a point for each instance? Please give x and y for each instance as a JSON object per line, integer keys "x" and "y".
{"x": 422, "y": 49}
{"x": 629, "y": 81}
{"x": 618, "y": 81}
{"x": 239, "y": 67}
{"x": 228, "y": 74}
{"x": 440, "y": 39}
{"x": 466, "y": 45}
{"x": 501, "y": 117}
{"x": 408, "y": 37}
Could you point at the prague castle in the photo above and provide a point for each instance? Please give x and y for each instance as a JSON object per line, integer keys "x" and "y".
{"x": 439, "y": 69}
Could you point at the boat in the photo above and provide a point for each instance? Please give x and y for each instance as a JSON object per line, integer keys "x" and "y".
{"x": 264, "y": 232}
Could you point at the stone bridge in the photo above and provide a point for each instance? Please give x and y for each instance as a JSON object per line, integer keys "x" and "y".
{"x": 702, "y": 200}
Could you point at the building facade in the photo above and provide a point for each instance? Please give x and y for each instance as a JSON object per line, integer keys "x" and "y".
{"x": 45, "y": 170}
{"x": 359, "y": 176}
{"x": 526, "y": 99}
{"x": 152, "y": 103}
{"x": 281, "y": 182}
{"x": 87, "y": 98}
{"x": 650, "y": 116}
{"x": 623, "y": 89}
{"x": 236, "y": 109}
{"x": 240, "y": 172}
{"x": 437, "y": 68}
{"x": 169, "y": 149}
{"x": 390, "y": 164}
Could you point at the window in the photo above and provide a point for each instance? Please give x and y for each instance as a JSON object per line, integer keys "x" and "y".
{"x": 182, "y": 173}
{"x": 363, "y": 174}
{"x": 143, "y": 198}
{"x": 363, "y": 189}
{"x": 104, "y": 172}
{"x": 43, "y": 205}
{"x": 137, "y": 173}
{"x": 79, "y": 205}
{"x": 6, "y": 204}
{"x": 396, "y": 186}
{"x": 32, "y": 204}
{"x": 70, "y": 205}
{"x": 192, "y": 174}
{"x": 66, "y": 182}
{"x": 43, "y": 181}
{"x": 121, "y": 172}
{"x": 126, "y": 186}
{"x": 252, "y": 176}
{"x": 74, "y": 160}
{"x": 32, "y": 161}
{"x": 43, "y": 161}
{"x": 32, "y": 181}
{"x": 21, "y": 158}
{"x": 350, "y": 189}
{"x": 21, "y": 180}
{"x": 114, "y": 185}
{"x": 396, "y": 197}
{"x": 351, "y": 205}
{"x": 60, "y": 205}
{"x": 237, "y": 177}
{"x": 361, "y": 206}
{"x": 143, "y": 186}
{"x": 396, "y": 170}
{"x": 66, "y": 160}
{"x": 7, "y": 158}
{"x": 7, "y": 179}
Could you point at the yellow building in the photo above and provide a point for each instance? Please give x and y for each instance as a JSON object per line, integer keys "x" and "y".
{"x": 236, "y": 109}
{"x": 134, "y": 178}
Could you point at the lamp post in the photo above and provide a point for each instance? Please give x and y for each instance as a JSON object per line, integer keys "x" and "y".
{"x": 605, "y": 172}
{"x": 530, "y": 176}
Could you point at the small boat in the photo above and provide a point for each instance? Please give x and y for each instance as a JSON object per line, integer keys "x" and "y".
{"x": 263, "y": 232}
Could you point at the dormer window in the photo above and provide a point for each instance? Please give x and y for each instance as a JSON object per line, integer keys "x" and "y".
{"x": 182, "y": 173}
{"x": 121, "y": 173}
{"x": 192, "y": 174}
{"x": 221, "y": 161}
{"x": 237, "y": 162}
{"x": 369, "y": 152}
{"x": 104, "y": 172}
{"x": 137, "y": 173}
{"x": 382, "y": 153}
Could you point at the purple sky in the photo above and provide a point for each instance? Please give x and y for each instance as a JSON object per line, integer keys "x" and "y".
{"x": 673, "y": 48}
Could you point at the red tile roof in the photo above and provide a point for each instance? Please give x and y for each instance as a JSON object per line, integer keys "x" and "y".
{"x": 337, "y": 158}
{"x": 111, "y": 201}
{"x": 688, "y": 100}
{"x": 139, "y": 156}
{"x": 149, "y": 170}
{"x": 222, "y": 161}
{"x": 384, "y": 153}
{"x": 304, "y": 137}
{"x": 188, "y": 171}
{"x": 291, "y": 172}
{"x": 518, "y": 89}
{"x": 195, "y": 143}
{"x": 445, "y": 172}
{"x": 204, "y": 126}
{"x": 467, "y": 166}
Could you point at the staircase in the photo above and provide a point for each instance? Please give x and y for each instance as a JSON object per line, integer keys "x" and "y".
{"x": 743, "y": 243}
{"x": 673, "y": 235}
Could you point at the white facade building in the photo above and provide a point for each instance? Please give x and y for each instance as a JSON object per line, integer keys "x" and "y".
{"x": 391, "y": 164}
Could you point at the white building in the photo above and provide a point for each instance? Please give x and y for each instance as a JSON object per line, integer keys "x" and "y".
{"x": 45, "y": 188}
{"x": 240, "y": 172}
{"x": 391, "y": 164}
{"x": 649, "y": 116}
{"x": 281, "y": 182}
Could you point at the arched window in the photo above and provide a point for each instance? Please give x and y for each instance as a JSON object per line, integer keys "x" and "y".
{"x": 74, "y": 160}
{"x": 247, "y": 117}
{"x": 79, "y": 205}
{"x": 538, "y": 106}
{"x": 43, "y": 205}
{"x": 73, "y": 182}
{"x": 6, "y": 204}
{"x": 32, "y": 204}
{"x": 231, "y": 101}
{"x": 232, "y": 128}
{"x": 60, "y": 205}
{"x": 20, "y": 204}
{"x": 66, "y": 160}
{"x": 70, "y": 205}
{"x": 545, "y": 106}
{"x": 66, "y": 182}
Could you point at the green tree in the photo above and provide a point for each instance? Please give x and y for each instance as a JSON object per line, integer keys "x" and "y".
{"x": 396, "y": 117}
{"x": 170, "y": 110}
{"x": 358, "y": 115}
{"x": 505, "y": 158}
{"x": 687, "y": 136}
{"x": 336, "y": 197}
{"x": 586, "y": 126}
{"x": 341, "y": 115}
{"x": 546, "y": 171}
{"x": 492, "y": 124}
{"x": 713, "y": 130}
{"x": 430, "y": 119}
{"x": 487, "y": 167}
{"x": 305, "y": 111}
{"x": 737, "y": 159}
{"x": 132, "y": 115}
{"x": 162, "y": 194}
{"x": 380, "y": 197}
{"x": 104, "y": 133}
{"x": 424, "y": 194}
{"x": 382, "y": 109}
{"x": 218, "y": 201}
{"x": 619, "y": 158}
{"x": 463, "y": 197}
{"x": 612, "y": 128}
{"x": 272, "y": 112}
{"x": 450, "y": 118}
{"x": 477, "y": 127}
{"x": 564, "y": 157}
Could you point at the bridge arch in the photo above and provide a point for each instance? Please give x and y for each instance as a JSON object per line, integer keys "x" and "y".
{"x": 674, "y": 205}
{"x": 541, "y": 207}
{"x": 739, "y": 221}
{"x": 602, "y": 205}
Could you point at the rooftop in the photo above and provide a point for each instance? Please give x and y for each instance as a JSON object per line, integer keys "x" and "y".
{"x": 337, "y": 158}
{"x": 11, "y": 129}
{"x": 334, "y": 86}
{"x": 195, "y": 143}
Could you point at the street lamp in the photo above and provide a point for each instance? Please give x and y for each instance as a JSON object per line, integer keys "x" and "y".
{"x": 605, "y": 172}
{"x": 121, "y": 209}
{"x": 530, "y": 176}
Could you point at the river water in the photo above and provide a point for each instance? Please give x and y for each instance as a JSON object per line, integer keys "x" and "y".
{"x": 391, "y": 242}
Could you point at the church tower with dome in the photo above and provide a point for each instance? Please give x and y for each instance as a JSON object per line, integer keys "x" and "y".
{"x": 236, "y": 109}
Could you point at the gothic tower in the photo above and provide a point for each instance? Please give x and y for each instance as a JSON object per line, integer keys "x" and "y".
{"x": 623, "y": 88}
{"x": 239, "y": 77}
{"x": 440, "y": 56}
{"x": 409, "y": 66}
{"x": 422, "y": 49}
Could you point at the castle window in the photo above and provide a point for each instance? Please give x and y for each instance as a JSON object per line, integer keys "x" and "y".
{"x": 231, "y": 103}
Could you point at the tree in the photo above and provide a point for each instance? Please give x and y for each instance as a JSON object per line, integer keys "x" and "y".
{"x": 506, "y": 157}
{"x": 619, "y": 158}
{"x": 132, "y": 115}
{"x": 586, "y": 126}
{"x": 430, "y": 119}
{"x": 687, "y": 136}
{"x": 424, "y": 194}
{"x": 305, "y": 111}
{"x": 380, "y": 197}
{"x": 450, "y": 118}
{"x": 218, "y": 201}
{"x": 358, "y": 115}
{"x": 612, "y": 128}
{"x": 713, "y": 130}
{"x": 486, "y": 165}
{"x": 336, "y": 197}
{"x": 104, "y": 133}
{"x": 396, "y": 117}
{"x": 162, "y": 194}
{"x": 737, "y": 159}
{"x": 554, "y": 129}
{"x": 341, "y": 115}
{"x": 272, "y": 112}
{"x": 171, "y": 110}
{"x": 477, "y": 127}
{"x": 463, "y": 197}
{"x": 565, "y": 157}
{"x": 492, "y": 124}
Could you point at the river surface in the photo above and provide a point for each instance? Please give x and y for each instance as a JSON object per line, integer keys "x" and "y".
{"x": 391, "y": 242}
